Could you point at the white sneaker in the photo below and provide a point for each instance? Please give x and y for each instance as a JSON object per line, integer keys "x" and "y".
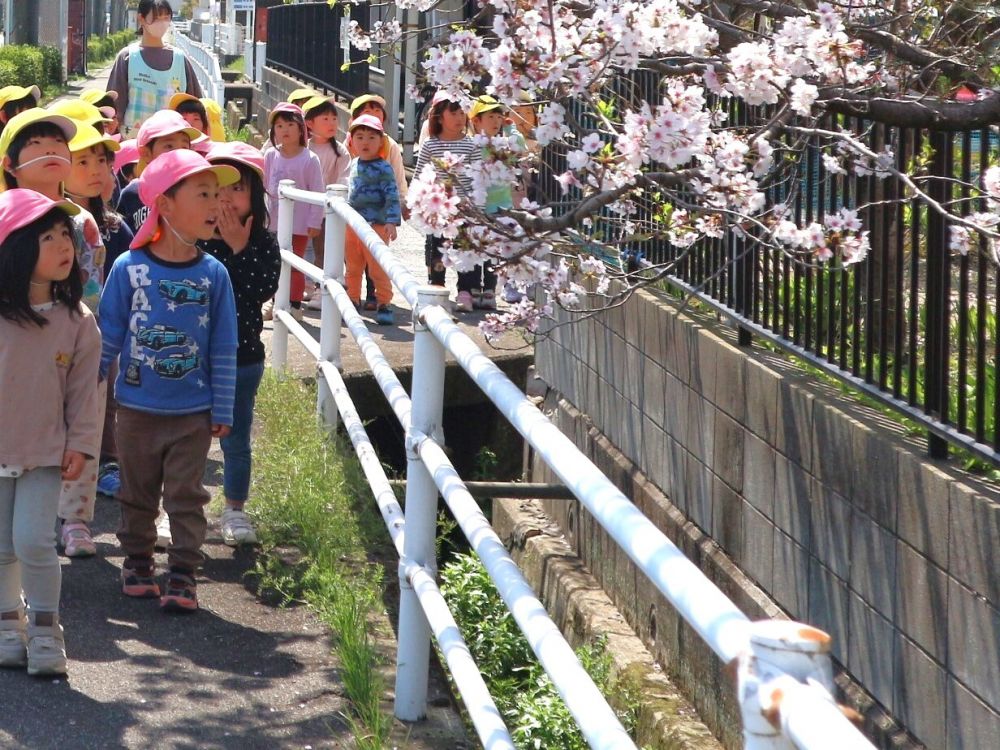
{"x": 13, "y": 642}
{"x": 163, "y": 538}
{"x": 315, "y": 302}
{"x": 236, "y": 528}
{"x": 46, "y": 650}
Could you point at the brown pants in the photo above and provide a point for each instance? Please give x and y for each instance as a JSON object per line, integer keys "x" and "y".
{"x": 163, "y": 456}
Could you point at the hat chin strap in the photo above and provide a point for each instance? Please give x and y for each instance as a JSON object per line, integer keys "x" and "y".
{"x": 178, "y": 234}
{"x": 47, "y": 157}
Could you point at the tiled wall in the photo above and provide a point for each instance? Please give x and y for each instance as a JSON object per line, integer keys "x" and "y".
{"x": 827, "y": 505}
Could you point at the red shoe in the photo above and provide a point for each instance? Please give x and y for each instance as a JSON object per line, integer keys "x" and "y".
{"x": 180, "y": 594}
{"x": 140, "y": 583}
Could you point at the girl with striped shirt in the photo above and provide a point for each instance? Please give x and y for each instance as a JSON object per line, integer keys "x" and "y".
{"x": 448, "y": 133}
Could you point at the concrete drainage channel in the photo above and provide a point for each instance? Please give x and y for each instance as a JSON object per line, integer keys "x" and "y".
{"x": 583, "y": 611}
{"x": 667, "y": 721}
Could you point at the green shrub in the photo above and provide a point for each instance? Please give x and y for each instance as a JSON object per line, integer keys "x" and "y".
{"x": 101, "y": 48}
{"x": 52, "y": 65}
{"x": 25, "y": 68}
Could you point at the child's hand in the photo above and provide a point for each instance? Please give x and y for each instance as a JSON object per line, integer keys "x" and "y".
{"x": 234, "y": 232}
{"x": 406, "y": 213}
{"x": 220, "y": 430}
{"x": 72, "y": 465}
{"x": 313, "y": 232}
{"x": 90, "y": 232}
{"x": 390, "y": 232}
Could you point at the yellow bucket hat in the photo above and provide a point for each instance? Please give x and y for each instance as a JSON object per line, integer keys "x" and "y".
{"x": 484, "y": 104}
{"x": 13, "y": 93}
{"x": 79, "y": 110}
{"x": 87, "y": 136}
{"x": 19, "y": 122}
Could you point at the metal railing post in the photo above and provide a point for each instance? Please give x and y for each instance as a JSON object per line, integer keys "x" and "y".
{"x": 427, "y": 393}
{"x": 279, "y": 340}
{"x": 329, "y": 329}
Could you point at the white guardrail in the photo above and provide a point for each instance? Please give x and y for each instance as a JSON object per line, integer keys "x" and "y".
{"x": 785, "y": 676}
{"x": 206, "y": 66}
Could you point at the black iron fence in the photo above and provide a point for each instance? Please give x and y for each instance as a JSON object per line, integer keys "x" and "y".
{"x": 914, "y": 326}
{"x": 309, "y": 41}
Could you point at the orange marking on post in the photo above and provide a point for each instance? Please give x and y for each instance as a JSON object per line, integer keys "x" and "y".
{"x": 814, "y": 634}
{"x": 773, "y": 714}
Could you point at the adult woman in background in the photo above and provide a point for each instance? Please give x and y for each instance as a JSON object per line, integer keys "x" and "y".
{"x": 147, "y": 74}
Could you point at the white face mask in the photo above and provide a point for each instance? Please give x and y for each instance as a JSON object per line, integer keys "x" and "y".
{"x": 158, "y": 28}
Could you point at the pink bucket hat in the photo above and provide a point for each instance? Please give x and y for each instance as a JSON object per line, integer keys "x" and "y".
{"x": 284, "y": 107}
{"x": 202, "y": 144}
{"x": 164, "y": 122}
{"x": 165, "y": 172}
{"x": 443, "y": 96}
{"x": 366, "y": 121}
{"x": 239, "y": 152}
{"x": 127, "y": 154}
{"x": 20, "y": 207}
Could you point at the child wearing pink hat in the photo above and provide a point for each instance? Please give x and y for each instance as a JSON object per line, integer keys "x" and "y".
{"x": 290, "y": 159}
{"x": 250, "y": 253}
{"x": 168, "y": 315}
{"x": 372, "y": 192}
{"x": 49, "y": 352}
{"x": 36, "y": 156}
{"x": 163, "y": 132}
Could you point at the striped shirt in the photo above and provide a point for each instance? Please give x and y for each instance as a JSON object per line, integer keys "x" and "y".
{"x": 434, "y": 148}
{"x": 172, "y": 326}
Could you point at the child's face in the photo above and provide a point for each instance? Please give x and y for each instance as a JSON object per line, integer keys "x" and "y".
{"x": 195, "y": 121}
{"x": 371, "y": 108}
{"x": 237, "y": 198}
{"x": 170, "y": 142}
{"x": 324, "y": 125}
{"x": 287, "y": 132}
{"x": 489, "y": 123}
{"x": 193, "y": 209}
{"x": 35, "y": 169}
{"x": 17, "y": 109}
{"x": 366, "y": 142}
{"x": 111, "y": 127}
{"x": 524, "y": 119}
{"x": 453, "y": 123}
{"x": 55, "y": 254}
{"x": 89, "y": 174}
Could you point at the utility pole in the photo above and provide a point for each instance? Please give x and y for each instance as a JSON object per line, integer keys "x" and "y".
{"x": 23, "y": 20}
{"x": 118, "y": 16}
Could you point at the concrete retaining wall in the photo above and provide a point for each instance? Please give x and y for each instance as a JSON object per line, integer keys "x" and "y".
{"x": 826, "y": 505}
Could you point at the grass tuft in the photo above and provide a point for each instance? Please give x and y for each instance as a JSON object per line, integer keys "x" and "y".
{"x": 317, "y": 535}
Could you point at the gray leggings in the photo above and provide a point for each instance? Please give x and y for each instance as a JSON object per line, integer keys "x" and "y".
{"x": 28, "y": 559}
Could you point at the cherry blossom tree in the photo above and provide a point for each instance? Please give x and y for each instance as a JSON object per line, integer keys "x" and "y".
{"x": 681, "y": 121}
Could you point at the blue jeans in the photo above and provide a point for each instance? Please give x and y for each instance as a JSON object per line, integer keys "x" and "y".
{"x": 236, "y": 447}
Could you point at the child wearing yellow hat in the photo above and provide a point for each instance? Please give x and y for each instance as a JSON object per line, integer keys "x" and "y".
{"x": 16, "y": 99}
